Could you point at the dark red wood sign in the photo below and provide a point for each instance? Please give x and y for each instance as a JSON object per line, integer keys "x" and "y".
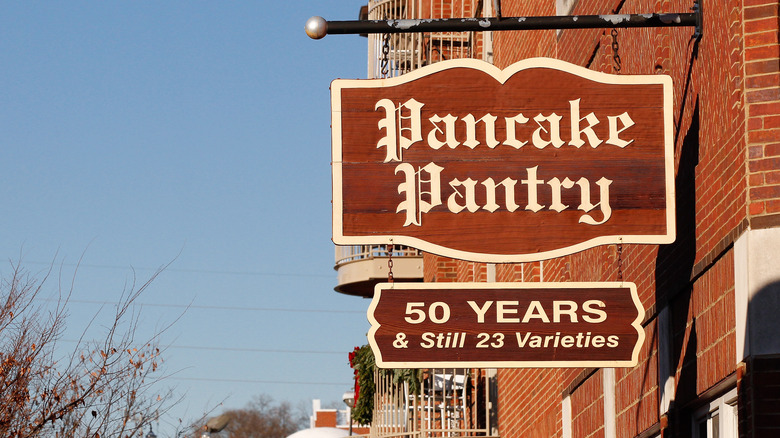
{"x": 540, "y": 160}
{"x": 505, "y": 325}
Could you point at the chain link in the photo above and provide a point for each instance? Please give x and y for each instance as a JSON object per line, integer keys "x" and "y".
{"x": 390, "y": 249}
{"x": 385, "y": 63}
{"x": 615, "y": 51}
{"x": 617, "y": 64}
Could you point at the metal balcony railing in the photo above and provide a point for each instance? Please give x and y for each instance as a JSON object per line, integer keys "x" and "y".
{"x": 450, "y": 403}
{"x": 361, "y": 267}
{"x": 394, "y": 55}
{"x": 351, "y": 253}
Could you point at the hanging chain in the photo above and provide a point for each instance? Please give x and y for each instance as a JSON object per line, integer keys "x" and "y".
{"x": 390, "y": 249}
{"x": 385, "y": 63}
{"x": 617, "y": 64}
{"x": 615, "y": 51}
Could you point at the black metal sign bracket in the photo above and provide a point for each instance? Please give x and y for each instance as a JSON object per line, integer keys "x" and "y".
{"x": 318, "y": 27}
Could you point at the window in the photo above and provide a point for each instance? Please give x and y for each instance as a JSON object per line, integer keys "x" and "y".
{"x": 717, "y": 419}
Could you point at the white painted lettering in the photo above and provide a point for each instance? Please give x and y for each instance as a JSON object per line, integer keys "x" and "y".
{"x": 576, "y": 131}
{"x": 587, "y": 206}
{"x": 414, "y": 203}
{"x": 469, "y": 196}
{"x": 570, "y": 310}
{"x": 535, "y": 311}
{"x": 502, "y": 311}
{"x": 471, "y": 131}
{"x": 554, "y": 120}
{"x": 532, "y": 183}
{"x": 509, "y": 194}
{"x": 511, "y": 135}
{"x": 480, "y": 311}
{"x": 593, "y": 307}
{"x": 614, "y": 132}
{"x": 394, "y": 125}
{"x": 448, "y": 131}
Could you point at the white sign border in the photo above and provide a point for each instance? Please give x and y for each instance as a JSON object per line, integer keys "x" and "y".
{"x": 501, "y": 76}
{"x": 637, "y": 324}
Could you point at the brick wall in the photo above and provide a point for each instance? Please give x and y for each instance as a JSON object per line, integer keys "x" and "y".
{"x": 529, "y": 403}
{"x": 762, "y": 104}
{"x": 326, "y": 418}
{"x": 439, "y": 269}
{"x": 712, "y": 308}
{"x": 727, "y": 177}
{"x": 759, "y": 398}
{"x": 727, "y": 161}
{"x": 636, "y": 389}
{"x": 587, "y": 405}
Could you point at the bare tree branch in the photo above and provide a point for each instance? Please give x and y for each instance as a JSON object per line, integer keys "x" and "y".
{"x": 103, "y": 388}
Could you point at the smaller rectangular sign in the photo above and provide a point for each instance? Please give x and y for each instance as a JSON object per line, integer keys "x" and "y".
{"x": 506, "y": 325}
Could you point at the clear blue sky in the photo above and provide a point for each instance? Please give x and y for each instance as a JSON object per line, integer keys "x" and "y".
{"x": 138, "y": 133}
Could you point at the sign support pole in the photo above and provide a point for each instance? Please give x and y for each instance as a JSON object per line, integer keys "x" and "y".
{"x": 318, "y": 27}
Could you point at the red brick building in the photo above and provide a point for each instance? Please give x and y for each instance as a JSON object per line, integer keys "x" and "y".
{"x": 710, "y": 365}
{"x": 333, "y": 418}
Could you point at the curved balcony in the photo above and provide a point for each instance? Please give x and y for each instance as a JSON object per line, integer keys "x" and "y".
{"x": 361, "y": 267}
{"x": 396, "y": 54}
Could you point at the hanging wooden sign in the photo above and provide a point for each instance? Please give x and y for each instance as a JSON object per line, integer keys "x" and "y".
{"x": 536, "y": 161}
{"x": 506, "y": 325}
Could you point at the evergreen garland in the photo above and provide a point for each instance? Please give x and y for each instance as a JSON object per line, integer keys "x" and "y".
{"x": 363, "y": 362}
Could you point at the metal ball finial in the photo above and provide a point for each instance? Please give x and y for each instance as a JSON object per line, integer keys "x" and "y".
{"x": 316, "y": 27}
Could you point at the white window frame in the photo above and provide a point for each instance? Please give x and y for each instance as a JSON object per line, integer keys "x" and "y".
{"x": 725, "y": 409}
{"x": 566, "y": 417}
